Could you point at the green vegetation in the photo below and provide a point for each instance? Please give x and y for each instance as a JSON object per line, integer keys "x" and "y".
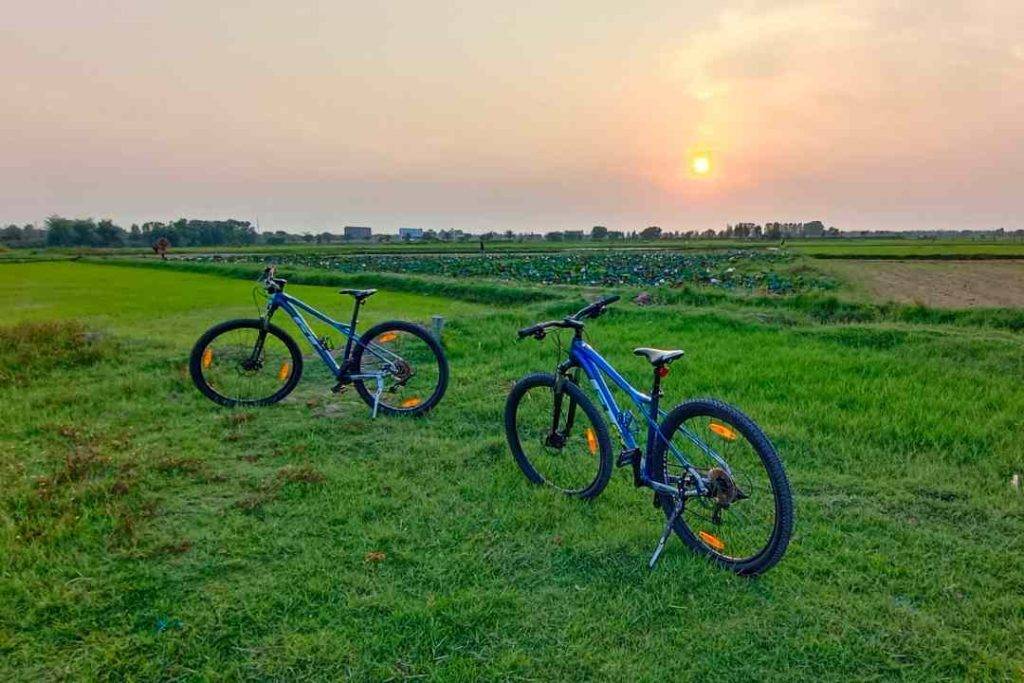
{"x": 911, "y": 249}
{"x": 768, "y": 271}
{"x": 146, "y": 533}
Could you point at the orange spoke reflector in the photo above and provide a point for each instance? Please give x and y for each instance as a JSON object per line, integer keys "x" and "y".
{"x": 207, "y": 358}
{"x": 712, "y": 541}
{"x": 286, "y": 369}
{"x": 387, "y": 336}
{"x": 591, "y": 440}
{"x": 723, "y": 431}
{"x": 411, "y": 402}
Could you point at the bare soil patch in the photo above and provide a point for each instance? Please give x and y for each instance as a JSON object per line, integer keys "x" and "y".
{"x": 944, "y": 284}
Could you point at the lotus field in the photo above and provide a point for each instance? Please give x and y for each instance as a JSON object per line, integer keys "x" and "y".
{"x": 769, "y": 271}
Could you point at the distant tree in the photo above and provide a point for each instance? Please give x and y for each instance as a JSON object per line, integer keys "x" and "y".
{"x": 161, "y": 246}
{"x": 650, "y": 233}
{"x": 109, "y": 235}
{"x": 554, "y": 236}
{"x": 11, "y": 234}
{"x": 598, "y": 232}
{"x": 615, "y": 235}
{"x": 59, "y": 232}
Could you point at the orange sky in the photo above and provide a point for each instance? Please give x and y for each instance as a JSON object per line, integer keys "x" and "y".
{"x": 527, "y": 115}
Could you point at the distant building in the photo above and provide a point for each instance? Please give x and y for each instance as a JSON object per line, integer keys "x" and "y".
{"x": 410, "y": 234}
{"x": 355, "y": 232}
{"x": 573, "y": 234}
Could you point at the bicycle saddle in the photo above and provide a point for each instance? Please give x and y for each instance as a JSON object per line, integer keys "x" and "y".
{"x": 358, "y": 294}
{"x": 658, "y": 357}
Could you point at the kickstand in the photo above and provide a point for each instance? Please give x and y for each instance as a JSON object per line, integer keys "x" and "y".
{"x": 665, "y": 534}
{"x": 376, "y": 396}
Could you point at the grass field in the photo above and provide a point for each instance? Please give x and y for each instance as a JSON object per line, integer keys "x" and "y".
{"x": 147, "y": 533}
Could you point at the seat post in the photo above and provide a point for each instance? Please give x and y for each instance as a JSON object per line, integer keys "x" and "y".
{"x": 352, "y": 329}
{"x": 652, "y": 427}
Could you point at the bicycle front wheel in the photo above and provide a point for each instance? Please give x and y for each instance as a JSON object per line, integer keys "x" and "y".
{"x": 745, "y": 521}
{"x": 244, "y": 363}
{"x": 562, "y": 440}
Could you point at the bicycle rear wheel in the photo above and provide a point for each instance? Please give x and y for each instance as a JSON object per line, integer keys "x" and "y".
{"x": 243, "y": 363}
{"x": 568, "y": 448}
{"x": 746, "y": 521}
{"x": 410, "y": 362}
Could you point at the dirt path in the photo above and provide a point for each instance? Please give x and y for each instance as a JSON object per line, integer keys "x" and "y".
{"x": 947, "y": 284}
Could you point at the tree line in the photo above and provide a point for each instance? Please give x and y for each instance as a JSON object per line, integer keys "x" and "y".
{"x": 87, "y": 232}
{"x": 189, "y": 232}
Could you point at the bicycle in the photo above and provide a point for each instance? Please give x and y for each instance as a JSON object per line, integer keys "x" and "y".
{"x": 723, "y": 488}
{"x": 252, "y": 362}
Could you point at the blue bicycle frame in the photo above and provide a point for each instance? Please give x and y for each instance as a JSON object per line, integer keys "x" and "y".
{"x": 596, "y": 368}
{"x": 292, "y": 306}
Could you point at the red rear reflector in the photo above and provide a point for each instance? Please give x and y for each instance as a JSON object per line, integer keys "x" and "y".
{"x": 662, "y": 370}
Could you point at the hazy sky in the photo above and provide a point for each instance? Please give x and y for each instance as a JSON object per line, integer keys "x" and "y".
{"x": 525, "y": 115}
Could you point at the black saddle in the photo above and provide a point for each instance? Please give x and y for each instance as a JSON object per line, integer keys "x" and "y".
{"x": 657, "y": 357}
{"x": 358, "y": 294}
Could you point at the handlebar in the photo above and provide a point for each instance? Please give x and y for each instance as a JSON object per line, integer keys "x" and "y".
{"x": 597, "y": 308}
{"x": 574, "y": 321}
{"x": 273, "y": 284}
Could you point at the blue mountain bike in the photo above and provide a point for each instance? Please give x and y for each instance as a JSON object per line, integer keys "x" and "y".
{"x": 714, "y": 473}
{"x": 396, "y": 367}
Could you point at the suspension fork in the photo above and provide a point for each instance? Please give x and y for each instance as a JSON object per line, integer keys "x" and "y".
{"x": 556, "y": 438}
{"x": 261, "y": 336}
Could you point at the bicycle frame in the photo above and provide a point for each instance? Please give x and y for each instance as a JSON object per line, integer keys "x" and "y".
{"x": 292, "y": 306}
{"x": 596, "y": 368}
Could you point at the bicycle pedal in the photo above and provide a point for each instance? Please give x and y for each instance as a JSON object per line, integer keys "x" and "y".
{"x": 339, "y": 388}
{"x": 626, "y": 456}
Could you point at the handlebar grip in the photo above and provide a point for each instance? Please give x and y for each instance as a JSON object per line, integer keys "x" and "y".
{"x": 527, "y": 331}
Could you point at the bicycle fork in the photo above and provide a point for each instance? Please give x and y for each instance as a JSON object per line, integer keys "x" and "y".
{"x": 555, "y": 438}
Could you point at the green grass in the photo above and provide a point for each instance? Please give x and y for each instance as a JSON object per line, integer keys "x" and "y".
{"x": 957, "y": 250}
{"x": 146, "y": 533}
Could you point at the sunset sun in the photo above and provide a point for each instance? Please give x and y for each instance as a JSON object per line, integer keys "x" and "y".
{"x": 700, "y": 164}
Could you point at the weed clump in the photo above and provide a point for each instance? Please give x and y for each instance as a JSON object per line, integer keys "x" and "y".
{"x": 29, "y": 349}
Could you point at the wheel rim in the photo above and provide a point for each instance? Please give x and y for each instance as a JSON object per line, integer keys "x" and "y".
{"x": 572, "y": 465}
{"x": 230, "y": 368}
{"x": 409, "y": 367}
{"x": 739, "y": 521}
